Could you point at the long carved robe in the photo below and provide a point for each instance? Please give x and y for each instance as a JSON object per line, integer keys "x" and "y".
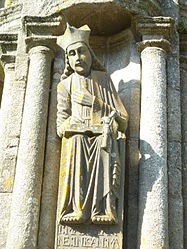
{"x": 86, "y": 169}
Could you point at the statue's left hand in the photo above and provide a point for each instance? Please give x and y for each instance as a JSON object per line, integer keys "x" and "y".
{"x": 83, "y": 97}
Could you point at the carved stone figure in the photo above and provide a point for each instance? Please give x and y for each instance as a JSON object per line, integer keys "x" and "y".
{"x": 90, "y": 120}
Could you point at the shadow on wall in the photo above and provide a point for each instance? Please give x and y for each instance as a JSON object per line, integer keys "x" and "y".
{"x": 148, "y": 158}
{"x": 123, "y": 64}
{"x": 2, "y": 3}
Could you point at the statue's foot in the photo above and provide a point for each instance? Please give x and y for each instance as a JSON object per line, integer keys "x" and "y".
{"x": 73, "y": 218}
{"x": 104, "y": 219}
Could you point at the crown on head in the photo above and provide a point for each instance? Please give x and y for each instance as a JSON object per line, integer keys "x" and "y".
{"x": 73, "y": 35}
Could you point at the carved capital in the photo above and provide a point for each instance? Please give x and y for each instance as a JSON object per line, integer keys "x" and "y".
{"x": 41, "y": 44}
{"x": 8, "y": 59}
{"x": 47, "y": 25}
{"x": 160, "y": 43}
{"x": 8, "y": 48}
{"x": 154, "y": 27}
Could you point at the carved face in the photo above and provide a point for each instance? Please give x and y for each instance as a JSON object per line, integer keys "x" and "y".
{"x": 80, "y": 58}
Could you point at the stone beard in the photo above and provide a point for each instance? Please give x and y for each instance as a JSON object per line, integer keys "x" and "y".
{"x": 90, "y": 120}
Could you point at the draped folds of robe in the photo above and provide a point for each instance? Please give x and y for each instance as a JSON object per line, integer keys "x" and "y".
{"x": 87, "y": 171}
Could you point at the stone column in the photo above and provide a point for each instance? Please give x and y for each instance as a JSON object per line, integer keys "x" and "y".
{"x": 6, "y": 169}
{"x": 153, "y": 203}
{"x": 8, "y": 48}
{"x": 23, "y": 226}
{"x": 46, "y": 237}
{"x": 153, "y": 179}
{"x": 9, "y": 70}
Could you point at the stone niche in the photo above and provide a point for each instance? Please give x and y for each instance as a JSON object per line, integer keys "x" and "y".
{"x": 114, "y": 44}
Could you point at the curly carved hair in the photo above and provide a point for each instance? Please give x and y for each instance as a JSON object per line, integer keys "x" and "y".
{"x": 96, "y": 64}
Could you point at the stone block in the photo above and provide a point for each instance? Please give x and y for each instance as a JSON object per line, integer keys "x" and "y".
{"x": 174, "y": 115}
{"x": 8, "y": 165}
{"x": 173, "y": 71}
{"x": 15, "y": 113}
{"x": 175, "y": 207}
{"x": 175, "y": 222}
{"x": 174, "y": 169}
{"x": 21, "y": 67}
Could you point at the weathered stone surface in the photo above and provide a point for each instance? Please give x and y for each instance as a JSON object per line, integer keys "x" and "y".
{"x": 8, "y": 47}
{"x": 10, "y": 19}
{"x": 23, "y": 227}
{"x": 174, "y": 115}
{"x": 153, "y": 231}
{"x": 5, "y": 204}
{"x": 175, "y": 196}
{"x": 51, "y": 167}
{"x": 183, "y": 71}
{"x": 153, "y": 225}
{"x": 6, "y": 165}
{"x": 49, "y": 6}
{"x": 171, "y": 8}
{"x": 154, "y": 27}
{"x": 173, "y": 70}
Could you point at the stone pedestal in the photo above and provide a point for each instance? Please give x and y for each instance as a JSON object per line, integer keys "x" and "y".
{"x": 23, "y": 226}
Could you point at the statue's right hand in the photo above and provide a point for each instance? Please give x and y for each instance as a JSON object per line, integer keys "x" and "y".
{"x": 74, "y": 120}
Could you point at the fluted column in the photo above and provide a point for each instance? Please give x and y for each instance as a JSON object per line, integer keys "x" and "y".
{"x": 153, "y": 179}
{"x": 23, "y": 226}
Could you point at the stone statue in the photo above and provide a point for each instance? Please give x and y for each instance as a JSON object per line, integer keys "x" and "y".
{"x": 90, "y": 120}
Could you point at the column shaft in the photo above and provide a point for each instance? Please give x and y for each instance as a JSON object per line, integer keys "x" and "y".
{"x": 8, "y": 81}
{"x": 9, "y": 69}
{"x": 153, "y": 189}
{"x": 23, "y": 226}
{"x": 47, "y": 226}
{"x": 6, "y": 95}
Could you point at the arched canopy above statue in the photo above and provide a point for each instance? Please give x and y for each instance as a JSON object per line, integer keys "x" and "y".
{"x": 103, "y": 19}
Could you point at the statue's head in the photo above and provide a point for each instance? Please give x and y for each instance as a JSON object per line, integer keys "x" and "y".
{"x": 80, "y": 58}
